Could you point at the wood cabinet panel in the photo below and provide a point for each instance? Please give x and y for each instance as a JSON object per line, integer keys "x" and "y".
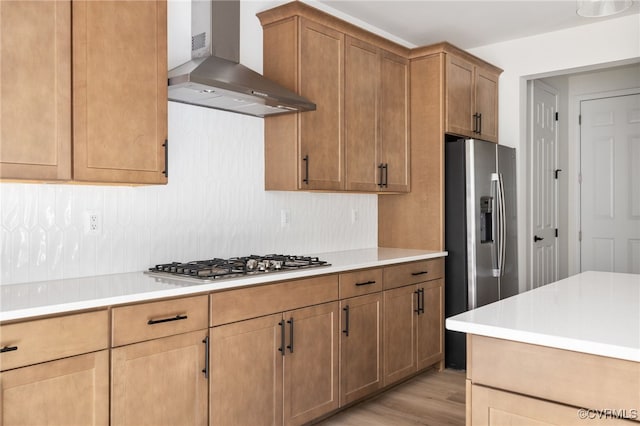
{"x": 70, "y": 391}
{"x": 412, "y": 272}
{"x": 146, "y": 321}
{"x": 460, "y": 96}
{"x": 360, "y": 347}
{"x": 120, "y": 91}
{"x": 430, "y": 337}
{"x": 52, "y": 338}
{"x": 251, "y": 348}
{"x": 359, "y": 283}
{"x": 245, "y": 303}
{"x": 399, "y": 333}
{"x": 35, "y": 90}
{"x": 321, "y": 79}
{"x": 160, "y": 382}
{"x": 311, "y": 371}
{"x": 487, "y": 104}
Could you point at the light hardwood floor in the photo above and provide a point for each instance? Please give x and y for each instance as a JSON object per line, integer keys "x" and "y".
{"x": 431, "y": 398}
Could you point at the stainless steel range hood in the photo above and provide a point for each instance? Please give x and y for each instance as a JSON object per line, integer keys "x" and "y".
{"x": 214, "y": 78}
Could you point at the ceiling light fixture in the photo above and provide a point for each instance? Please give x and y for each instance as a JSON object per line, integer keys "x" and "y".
{"x": 600, "y": 8}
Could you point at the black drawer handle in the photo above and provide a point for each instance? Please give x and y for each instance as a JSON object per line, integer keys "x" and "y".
{"x": 290, "y": 345}
{"x": 8, "y": 349}
{"x": 176, "y": 318}
{"x": 366, "y": 283}
{"x": 205, "y": 370}
{"x": 419, "y": 273}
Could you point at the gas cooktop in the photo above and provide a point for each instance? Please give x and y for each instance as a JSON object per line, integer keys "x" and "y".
{"x": 216, "y": 269}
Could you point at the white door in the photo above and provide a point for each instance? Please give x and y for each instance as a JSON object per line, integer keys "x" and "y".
{"x": 610, "y": 191}
{"x": 543, "y": 194}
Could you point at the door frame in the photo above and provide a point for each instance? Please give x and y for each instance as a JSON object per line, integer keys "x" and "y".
{"x": 575, "y": 185}
{"x": 530, "y": 197}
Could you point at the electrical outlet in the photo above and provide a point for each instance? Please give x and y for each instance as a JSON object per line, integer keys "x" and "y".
{"x": 92, "y": 222}
{"x": 285, "y": 218}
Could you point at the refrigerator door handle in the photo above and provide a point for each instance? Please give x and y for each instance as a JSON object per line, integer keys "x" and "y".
{"x": 502, "y": 230}
{"x": 495, "y": 256}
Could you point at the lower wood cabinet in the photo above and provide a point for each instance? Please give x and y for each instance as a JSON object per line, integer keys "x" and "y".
{"x": 413, "y": 329}
{"x": 69, "y": 391}
{"x": 277, "y": 369}
{"x": 161, "y": 381}
{"x": 360, "y": 347}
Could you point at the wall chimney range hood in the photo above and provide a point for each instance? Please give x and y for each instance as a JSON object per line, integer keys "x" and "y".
{"x": 214, "y": 78}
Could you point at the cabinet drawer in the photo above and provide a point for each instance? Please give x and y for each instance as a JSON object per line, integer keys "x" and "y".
{"x": 253, "y": 302}
{"x": 136, "y": 323}
{"x": 412, "y": 273}
{"x": 359, "y": 283}
{"x": 53, "y": 338}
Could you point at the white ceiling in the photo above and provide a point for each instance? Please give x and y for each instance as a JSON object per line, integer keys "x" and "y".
{"x": 466, "y": 23}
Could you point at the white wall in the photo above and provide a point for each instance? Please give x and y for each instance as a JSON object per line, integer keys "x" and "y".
{"x": 598, "y": 45}
{"x": 214, "y": 205}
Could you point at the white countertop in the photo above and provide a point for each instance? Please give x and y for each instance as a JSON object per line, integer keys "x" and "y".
{"x": 26, "y": 300}
{"x": 592, "y": 312}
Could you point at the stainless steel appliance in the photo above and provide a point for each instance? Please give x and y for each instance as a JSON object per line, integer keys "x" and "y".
{"x": 480, "y": 232}
{"x": 217, "y": 269}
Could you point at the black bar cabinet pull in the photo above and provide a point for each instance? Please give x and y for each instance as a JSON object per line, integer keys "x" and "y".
{"x": 306, "y": 169}
{"x": 166, "y": 158}
{"x": 479, "y": 123}
{"x": 421, "y": 301}
{"x": 365, "y": 283}
{"x": 419, "y": 273}
{"x": 417, "y": 309}
{"x": 281, "y": 348}
{"x": 176, "y": 318}
{"x": 8, "y": 349}
{"x": 290, "y": 345}
{"x": 346, "y": 320}
{"x": 381, "y": 180}
{"x": 386, "y": 174}
{"x": 475, "y": 123}
{"x": 206, "y": 357}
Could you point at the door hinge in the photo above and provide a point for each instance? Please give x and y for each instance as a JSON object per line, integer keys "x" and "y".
{"x": 579, "y": 235}
{"x": 579, "y": 178}
{"x": 556, "y": 232}
{"x": 556, "y": 116}
{"x": 580, "y": 120}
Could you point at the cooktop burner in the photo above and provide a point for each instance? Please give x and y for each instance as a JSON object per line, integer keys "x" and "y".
{"x": 213, "y": 269}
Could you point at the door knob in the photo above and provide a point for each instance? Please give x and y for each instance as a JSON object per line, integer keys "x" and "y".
{"x": 536, "y": 239}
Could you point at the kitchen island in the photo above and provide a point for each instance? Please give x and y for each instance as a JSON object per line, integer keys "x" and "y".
{"x": 566, "y": 353}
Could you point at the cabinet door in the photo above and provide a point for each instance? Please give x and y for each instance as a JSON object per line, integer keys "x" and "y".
{"x": 360, "y": 347}
{"x": 246, "y": 373}
{"x": 394, "y": 122}
{"x": 459, "y": 99}
{"x": 160, "y": 382}
{"x": 35, "y": 89}
{"x": 487, "y": 104}
{"x": 119, "y": 91}
{"x": 399, "y": 333}
{"x": 361, "y": 86}
{"x": 311, "y": 363}
{"x": 321, "y": 81}
{"x": 70, "y": 391}
{"x": 430, "y": 324}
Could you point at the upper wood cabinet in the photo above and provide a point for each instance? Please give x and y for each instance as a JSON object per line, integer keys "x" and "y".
{"x": 357, "y": 138}
{"x": 35, "y": 89}
{"x": 471, "y": 99}
{"x": 376, "y": 118}
{"x": 84, "y": 97}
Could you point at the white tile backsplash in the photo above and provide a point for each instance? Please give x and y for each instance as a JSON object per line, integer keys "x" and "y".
{"x": 215, "y": 205}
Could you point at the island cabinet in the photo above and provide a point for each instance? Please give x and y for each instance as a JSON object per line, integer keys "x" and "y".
{"x": 55, "y": 370}
{"x": 510, "y": 382}
{"x": 361, "y": 338}
{"x": 274, "y": 353}
{"x": 85, "y": 97}
{"x": 357, "y": 138}
{"x": 159, "y": 371}
{"x": 376, "y": 118}
{"x": 413, "y": 318}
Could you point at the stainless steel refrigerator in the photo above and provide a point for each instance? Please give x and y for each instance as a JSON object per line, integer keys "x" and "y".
{"x": 480, "y": 232}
